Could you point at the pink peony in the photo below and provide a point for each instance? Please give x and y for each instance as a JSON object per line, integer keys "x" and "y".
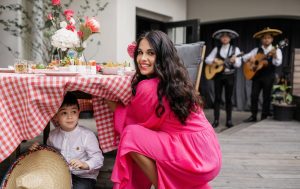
{"x": 68, "y": 13}
{"x": 55, "y": 2}
{"x": 131, "y": 48}
{"x": 92, "y": 24}
{"x": 50, "y": 16}
{"x": 70, "y": 27}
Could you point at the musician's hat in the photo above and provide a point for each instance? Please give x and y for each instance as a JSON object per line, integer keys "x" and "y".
{"x": 273, "y": 32}
{"x": 43, "y": 168}
{"x": 218, "y": 34}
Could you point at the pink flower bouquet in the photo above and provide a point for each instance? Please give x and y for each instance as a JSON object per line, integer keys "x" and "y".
{"x": 78, "y": 32}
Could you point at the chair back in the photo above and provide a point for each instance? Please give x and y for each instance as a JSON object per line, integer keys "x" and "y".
{"x": 192, "y": 56}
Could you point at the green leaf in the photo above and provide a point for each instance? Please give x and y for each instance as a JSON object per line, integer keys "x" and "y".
{"x": 48, "y": 24}
{"x": 86, "y": 32}
{"x": 289, "y": 98}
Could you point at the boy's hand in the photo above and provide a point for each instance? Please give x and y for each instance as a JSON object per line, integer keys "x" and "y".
{"x": 77, "y": 164}
{"x": 34, "y": 146}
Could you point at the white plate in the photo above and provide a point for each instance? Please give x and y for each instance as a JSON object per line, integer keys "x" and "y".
{"x": 7, "y": 70}
{"x": 110, "y": 70}
{"x": 61, "y": 73}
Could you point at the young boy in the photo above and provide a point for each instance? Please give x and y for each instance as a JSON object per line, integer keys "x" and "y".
{"x": 77, "y": 144}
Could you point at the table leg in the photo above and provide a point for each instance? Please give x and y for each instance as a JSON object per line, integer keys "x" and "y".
{"x": 46, "y": 133}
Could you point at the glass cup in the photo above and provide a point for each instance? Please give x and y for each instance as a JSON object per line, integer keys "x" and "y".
{"x": 21, "y": 66}
{"x": 31, "y": 66}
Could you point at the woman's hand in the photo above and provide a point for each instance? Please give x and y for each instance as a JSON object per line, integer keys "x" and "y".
{"x": 77, "y": 164}
{"x": 111, "y": 104}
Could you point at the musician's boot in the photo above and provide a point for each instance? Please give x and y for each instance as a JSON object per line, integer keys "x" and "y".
{"x": 229, "y": 123}
{"x": 263, "y": 116}
{"x": 252, "y": 118}
{"x": 215, "y": 123}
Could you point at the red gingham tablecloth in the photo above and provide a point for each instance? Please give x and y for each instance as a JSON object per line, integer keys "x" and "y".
{"x": 28, "y": 102}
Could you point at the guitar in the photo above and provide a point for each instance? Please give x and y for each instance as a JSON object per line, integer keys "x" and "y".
{"x": 250, "y": 68}
{"x": 217, "y": 66}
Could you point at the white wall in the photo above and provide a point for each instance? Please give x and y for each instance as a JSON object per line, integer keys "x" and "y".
{"x": 216, "y": 10}
{"x": 126, "y": 19}
{"x": 7, "y": 40}
{"x": 118, "y": 22}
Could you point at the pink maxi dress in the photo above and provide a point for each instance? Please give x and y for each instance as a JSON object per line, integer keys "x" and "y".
{"x": 187, "y": 156}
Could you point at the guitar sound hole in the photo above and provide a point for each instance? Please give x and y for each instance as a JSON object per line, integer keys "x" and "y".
{"x": 256, "y": 63}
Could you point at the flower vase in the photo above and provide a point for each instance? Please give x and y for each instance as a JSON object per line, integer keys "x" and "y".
{"x": 81, "y": 63}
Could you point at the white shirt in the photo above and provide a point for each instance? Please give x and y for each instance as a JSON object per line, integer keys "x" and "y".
{"x": 224, "y": 52}
{"x": 82, "y": 144}
{"x": 275, "y": 61}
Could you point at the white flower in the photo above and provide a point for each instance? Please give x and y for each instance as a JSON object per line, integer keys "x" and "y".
{"x": 65, "y": 39}
{"x": 84, "y": 44}
{"x": 72, "y": 21}
{"x": 63, "y": 24}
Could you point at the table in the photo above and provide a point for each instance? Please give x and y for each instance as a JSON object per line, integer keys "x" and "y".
{"x": 29, "y": 101}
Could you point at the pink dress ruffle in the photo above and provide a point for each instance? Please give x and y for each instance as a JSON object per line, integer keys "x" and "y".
{"x": 187, "y": 156}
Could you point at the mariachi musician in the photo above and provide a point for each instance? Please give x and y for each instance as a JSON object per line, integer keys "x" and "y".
{"x": 263, "y": 78}
{"x": 227, "y": 53}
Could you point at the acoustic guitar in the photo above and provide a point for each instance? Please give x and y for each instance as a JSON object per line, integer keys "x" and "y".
{"x": 217, "y": 66}
{"x": 250, "y": 68}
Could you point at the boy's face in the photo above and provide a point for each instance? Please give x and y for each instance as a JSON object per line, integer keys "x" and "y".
{"x": 67, "y": 117}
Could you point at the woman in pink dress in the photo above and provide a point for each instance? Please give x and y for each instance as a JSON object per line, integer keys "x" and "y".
{"x": 165, "y": 138}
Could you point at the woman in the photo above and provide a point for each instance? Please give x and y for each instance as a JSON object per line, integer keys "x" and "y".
{"x": 165, "y": 138}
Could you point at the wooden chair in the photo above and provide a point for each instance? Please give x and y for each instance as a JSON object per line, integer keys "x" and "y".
{"x": 192, "y": 56}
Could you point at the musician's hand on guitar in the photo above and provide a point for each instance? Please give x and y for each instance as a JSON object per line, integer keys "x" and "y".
{"x": 232, "y": 59}
{"x": 216, "y": 60}
{"x": 252, "y": 59}
{"x": 272, "y": 53}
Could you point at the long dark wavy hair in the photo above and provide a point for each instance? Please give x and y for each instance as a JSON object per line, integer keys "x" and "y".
{"x": 174, "y": 81}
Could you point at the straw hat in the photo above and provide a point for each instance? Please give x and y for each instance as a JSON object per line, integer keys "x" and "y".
{"x": 44, "y": 168}
{"x": 218, "y": 34}
{"x": 273, "y": 32}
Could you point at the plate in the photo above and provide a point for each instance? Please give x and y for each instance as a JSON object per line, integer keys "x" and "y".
{"x": 61, "y": 73}
{"x": 110, "y": 70}
{"x": 7, "y": 70}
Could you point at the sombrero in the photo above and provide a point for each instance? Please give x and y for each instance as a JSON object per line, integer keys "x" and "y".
{"x": 232, "y": 34}
{"x": 267, "y": 30}
{"x": 43, "y": 168}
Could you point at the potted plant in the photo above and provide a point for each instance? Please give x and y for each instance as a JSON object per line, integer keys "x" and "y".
{"x": 283, "y": 107}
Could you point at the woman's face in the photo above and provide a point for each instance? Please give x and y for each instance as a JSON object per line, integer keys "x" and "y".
{"x": 146, "y": 58}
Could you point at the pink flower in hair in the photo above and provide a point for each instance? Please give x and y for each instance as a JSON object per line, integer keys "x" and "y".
{"x": 131, "y": 48}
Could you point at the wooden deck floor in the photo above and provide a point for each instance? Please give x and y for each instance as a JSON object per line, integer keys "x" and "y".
{"x": 265, "y": 155}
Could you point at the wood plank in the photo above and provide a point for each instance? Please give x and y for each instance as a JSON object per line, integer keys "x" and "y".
{"x": 263, "y": 155}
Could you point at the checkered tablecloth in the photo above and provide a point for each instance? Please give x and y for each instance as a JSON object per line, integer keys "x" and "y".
{"x": 28, "y": 102}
